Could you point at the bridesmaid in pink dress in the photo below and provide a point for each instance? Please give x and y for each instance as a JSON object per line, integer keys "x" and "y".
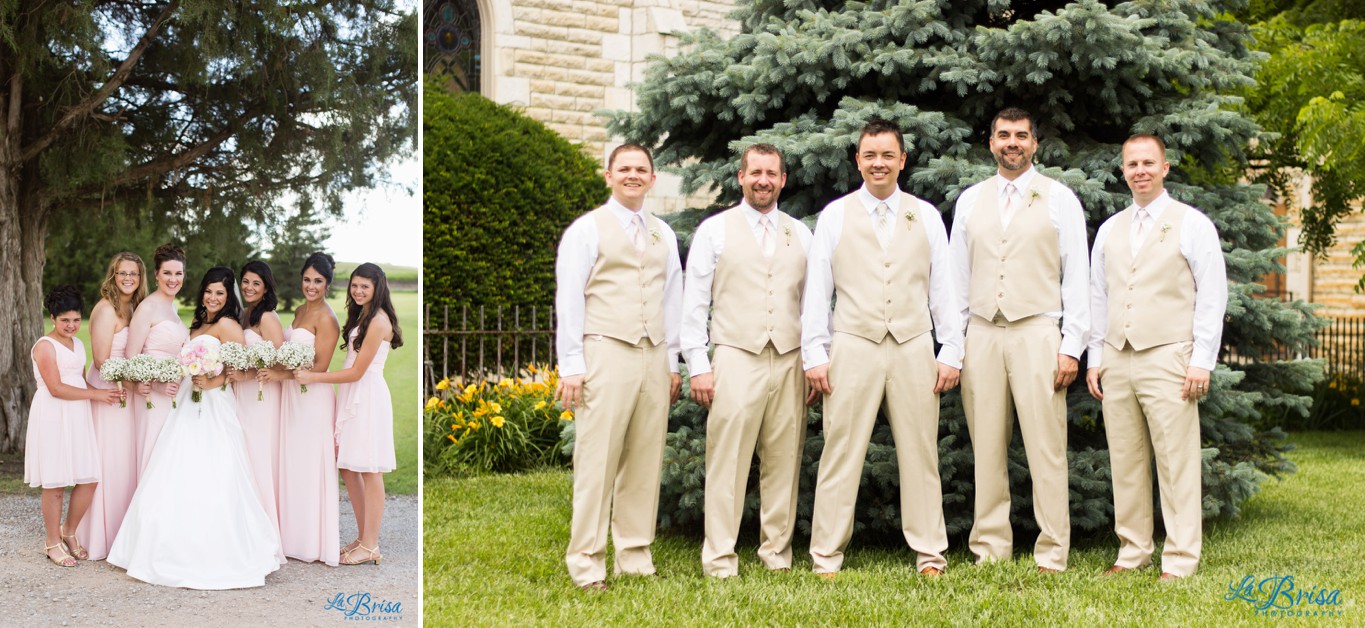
{"x": 364, "y": 430}
{"x": 259, "y": 404}
{"x": 60, "y": 448}
{"x": 308, "y": 499}
{"x": 157, "y": 330}
{"x": 115, "y": 431}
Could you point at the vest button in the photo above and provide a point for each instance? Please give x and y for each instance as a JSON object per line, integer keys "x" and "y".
{"x": 1002, "y": 259}
{"x": 886, "y": 264}
{"x": 1000, "y": 295}
{"x": 1002, "y": 275}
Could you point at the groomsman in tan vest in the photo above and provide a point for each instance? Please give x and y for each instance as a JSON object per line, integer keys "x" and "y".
{"x": 1019, "y": 252}
{"x": 618, "y": 299}
{"x": 885, "y": 254}
{"x": 1158, "y": 291}
{"x": 747, "y": 267}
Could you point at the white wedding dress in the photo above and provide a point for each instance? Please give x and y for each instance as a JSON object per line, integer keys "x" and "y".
{"x": 195, "y": 520}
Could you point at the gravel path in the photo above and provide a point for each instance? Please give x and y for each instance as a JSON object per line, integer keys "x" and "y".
{"x": 38, "y": 593}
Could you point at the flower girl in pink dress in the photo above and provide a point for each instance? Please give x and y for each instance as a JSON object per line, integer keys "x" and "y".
{"x": 60, "y": 448}
{"x": 364, "y": 431}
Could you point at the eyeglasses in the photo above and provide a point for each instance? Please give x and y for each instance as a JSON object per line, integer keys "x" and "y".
{"x": 128, "y": 275}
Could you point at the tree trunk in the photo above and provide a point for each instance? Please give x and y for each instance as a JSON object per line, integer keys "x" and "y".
{"x": 23, "y": 242}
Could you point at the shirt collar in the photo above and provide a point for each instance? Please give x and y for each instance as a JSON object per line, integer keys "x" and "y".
{"x": 870, "y": 202}
{"x": 1021, "y": 182}
{"x": 1157, "y": 206}
{"x": 623, "y": 214}
{"x": 751, "y": 215}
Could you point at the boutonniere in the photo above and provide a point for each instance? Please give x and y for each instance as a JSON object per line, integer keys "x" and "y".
{"x": 1033, "y": 196}
{"x": 1165, "y": 226}
{"x": 654, "y": 235}
{"x": 788, "y": 231}
{"x": 909, "y": 219}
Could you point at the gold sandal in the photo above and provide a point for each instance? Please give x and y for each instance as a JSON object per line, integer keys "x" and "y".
{"x": 62, "y": 562}
{"x": 350, "y": 547}
{"x": 374, "y": 556}
{"x": 76, "y": 552}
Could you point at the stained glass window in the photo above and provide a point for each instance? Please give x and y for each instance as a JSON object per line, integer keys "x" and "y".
{"x": 451, "y": 42}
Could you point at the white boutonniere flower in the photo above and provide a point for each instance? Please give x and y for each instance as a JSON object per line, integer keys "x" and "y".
{"x": 788, "y": 231}
{"x": 1165, "y": 226}
{"x": 909, "y": 219}
{"x": 1033, "y": 196}
{"x": 654, "y": 235}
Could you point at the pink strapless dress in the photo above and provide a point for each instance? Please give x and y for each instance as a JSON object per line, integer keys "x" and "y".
{"x": 60, "y": 448}
{"x": 309, "y": 502}
{"x": 365, "y": 416}
{"x": 116, "y": 433}
{"x": 164, "y": 341}
{"x": 258, "y": 409}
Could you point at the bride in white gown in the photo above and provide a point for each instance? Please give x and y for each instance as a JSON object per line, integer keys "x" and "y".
{"x": 195, "y": 520}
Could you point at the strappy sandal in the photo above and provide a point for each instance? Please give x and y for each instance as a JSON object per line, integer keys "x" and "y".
{"x": 76, "y": 552}
{"x": 374, "y": 556}
{"x": 65, "y": 561}
{"x": 350, "y": 547}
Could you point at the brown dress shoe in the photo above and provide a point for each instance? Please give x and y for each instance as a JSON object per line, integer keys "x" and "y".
{"x": 1167, "y": 576}
{"x": 931, "y": 572}
{"x": 1115, "y": 570}
{"x": 1048, "y": 570}
{"x": 595, "y": 587}
{"x": 828, "y": 575}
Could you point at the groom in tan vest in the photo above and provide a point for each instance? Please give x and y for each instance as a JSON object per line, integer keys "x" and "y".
{"x": 618, "y": 298}
{"x": 747, "y": 266}
{"x": 885, "y": 254}
{"x": 1158, "y": 291}
{"x": 1019, "y": 251}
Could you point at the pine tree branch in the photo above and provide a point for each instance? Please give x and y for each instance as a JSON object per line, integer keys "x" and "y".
{"x": 84, "y": 109}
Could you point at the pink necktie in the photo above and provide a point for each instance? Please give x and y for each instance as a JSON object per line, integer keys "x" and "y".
{"x": 1142, "y": 216}
{"x": 1007, "y": 214}
{"x": 638, "y": 239}
{"x": 766, "y": 241}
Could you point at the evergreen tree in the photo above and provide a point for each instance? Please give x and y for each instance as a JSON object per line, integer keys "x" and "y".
{"x": 806, "y": 75}
{"x": 183, "y": 110}
{"x": 302, "y": 233}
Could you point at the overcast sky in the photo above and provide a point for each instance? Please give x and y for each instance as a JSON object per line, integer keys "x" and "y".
{"x": 384, "y": 225}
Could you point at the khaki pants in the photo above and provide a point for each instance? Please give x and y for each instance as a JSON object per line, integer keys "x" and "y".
{"x": 617, "y": 458}
{"x": 900, "y": 378}
{"x": 759, "y": 402}
{"x": 1143, "y": 415}
{"x": 1011, "y": 367}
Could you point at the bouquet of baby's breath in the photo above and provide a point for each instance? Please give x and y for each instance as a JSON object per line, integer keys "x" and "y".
{"x": 234, "y": 356}
{"x": 113, "y": 371}
{"x": 141, "y": 368}
{"x": 260, "y": 356}
{"x": 166, "y": 370}
{"x": 296, "y": 355}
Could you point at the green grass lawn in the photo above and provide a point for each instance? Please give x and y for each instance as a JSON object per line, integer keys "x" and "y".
{"x": 400, "y": 372}
{"x": 494, "y": 551}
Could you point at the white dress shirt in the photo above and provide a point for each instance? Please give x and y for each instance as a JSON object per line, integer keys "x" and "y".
{"x": 1202, "y": 250}
{"x": 1064, "y": 210}
{"x": 707, "y": 244}
{"x": 577, "y": 254}
{"x": 944, "y": 307}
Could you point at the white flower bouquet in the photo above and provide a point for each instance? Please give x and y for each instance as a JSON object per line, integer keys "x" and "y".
{"x": 234, "y": 356}
{"x": 114, "y": 371}
{"x": 260, "y": 356}
{"x": 296, "y": 355}
{"x": 197, "y": 359}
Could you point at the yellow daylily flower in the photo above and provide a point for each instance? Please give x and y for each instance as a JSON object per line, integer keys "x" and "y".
{"x": 443, "y": 384}
{"x": 566, "y": 415}
{"x": 452, "y": 439}
{"x": 505, "y": 383}
{"x": 473, "y": 425}
{"x": 497, "y": 421}
{"x": 539, "y": 405}
{"x": 433, "y": 403}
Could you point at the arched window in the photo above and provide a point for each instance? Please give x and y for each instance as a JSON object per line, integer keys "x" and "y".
{"x": 451, "y": 42}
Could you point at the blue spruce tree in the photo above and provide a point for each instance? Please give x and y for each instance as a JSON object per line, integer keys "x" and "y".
{"x": 806, "y": 75}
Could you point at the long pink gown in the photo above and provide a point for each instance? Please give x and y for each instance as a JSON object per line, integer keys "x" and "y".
{"x": 163, "y": 341}
{"x": 260, "y": 418}
{"x": 309, "y": 503}
{"x": 60, "y": 448}
{"x": 365, "y": 416}
{"x": 116, "y": 433}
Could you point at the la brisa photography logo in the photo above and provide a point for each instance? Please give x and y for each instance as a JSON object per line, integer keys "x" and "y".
{"x": 1282, "y": 596}
{"x": 364, "y": 607}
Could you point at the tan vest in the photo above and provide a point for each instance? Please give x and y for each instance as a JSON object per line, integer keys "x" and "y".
{"x": 1016, "y": 273}
{"x": 621, "y": 279}
{"x": 1151, "y": 299}
{"x": 756, "y": 300}
{"x": 878, "y": 292}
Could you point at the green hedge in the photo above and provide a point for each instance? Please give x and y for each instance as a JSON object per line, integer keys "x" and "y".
{"x": 499, "y": 190}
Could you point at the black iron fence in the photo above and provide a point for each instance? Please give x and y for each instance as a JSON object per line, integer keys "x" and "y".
{"x": 473, "y": 343}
